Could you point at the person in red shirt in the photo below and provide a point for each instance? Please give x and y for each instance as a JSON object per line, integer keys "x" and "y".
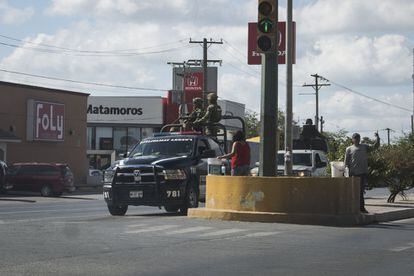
{"x": 240, "y": 155}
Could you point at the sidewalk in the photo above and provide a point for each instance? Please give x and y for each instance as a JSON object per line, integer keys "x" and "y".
{"x": 381, "y": 211}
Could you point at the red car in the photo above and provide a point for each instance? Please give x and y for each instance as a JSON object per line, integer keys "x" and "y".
{"x": 50, "y": 179}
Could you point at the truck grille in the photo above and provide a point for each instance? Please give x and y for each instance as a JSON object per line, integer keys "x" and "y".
{"x": 127, "y": 175}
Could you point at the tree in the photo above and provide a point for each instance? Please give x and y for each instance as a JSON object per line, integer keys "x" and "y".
{"x": 252, "y": 123}
{"x": 394, "y": 165}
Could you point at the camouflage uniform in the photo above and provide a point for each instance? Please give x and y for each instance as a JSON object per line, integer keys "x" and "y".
{"x": 196, "y": 114}
{"x": 212, "y": 115}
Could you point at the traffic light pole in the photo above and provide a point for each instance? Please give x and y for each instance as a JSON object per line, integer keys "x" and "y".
{"x": 268, "y": 116}
{"x": 289, "y": 111}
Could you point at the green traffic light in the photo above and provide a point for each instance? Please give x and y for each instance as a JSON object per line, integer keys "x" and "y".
{"x": 265, "y": 25}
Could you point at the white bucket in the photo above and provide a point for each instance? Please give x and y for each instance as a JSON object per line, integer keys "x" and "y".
{"x": 337, "y": 169}
{"x": 214, "y": 166}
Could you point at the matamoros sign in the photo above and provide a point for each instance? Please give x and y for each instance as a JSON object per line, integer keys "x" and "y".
{"x": 125, "y": 110}
{"x": 45, "y": 121}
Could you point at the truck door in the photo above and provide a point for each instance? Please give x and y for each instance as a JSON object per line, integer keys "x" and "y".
{"x": 319, "y": 165}
{"x": 201, "y": 167}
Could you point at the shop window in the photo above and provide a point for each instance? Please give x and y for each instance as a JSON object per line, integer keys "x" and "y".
{"x": 120, "y": 140}
{"x": 103, "y": 132}
{"x": 91, "y": 138}
{"x": 134, "y": 137}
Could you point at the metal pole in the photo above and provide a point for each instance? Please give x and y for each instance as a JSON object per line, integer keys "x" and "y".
{"x": 317, "y": 102}
{"x": 205, "y": 91}
{"x": 412, "y": 116}
{"x": 289, "y": 111}
{"x": 268, "y": 113}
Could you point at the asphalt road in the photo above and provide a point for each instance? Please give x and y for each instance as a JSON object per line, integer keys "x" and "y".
{"x": 76, "y": 236}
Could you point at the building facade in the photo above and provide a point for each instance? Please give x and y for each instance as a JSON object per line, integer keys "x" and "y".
{"x": 116, "y": 124}
{"x": 40, "y": 124}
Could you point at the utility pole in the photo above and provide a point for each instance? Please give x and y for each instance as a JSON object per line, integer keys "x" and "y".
{"x": 289, "y": 111}
{"x": 388, "y": 134}
{"x": 316, "y": 86}
{"x": 205, "y": 44}
{"x": 412, "y": 116}
{"x": 322, "y": 123}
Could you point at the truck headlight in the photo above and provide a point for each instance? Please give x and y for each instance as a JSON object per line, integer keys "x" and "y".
{"x": 304, "y": 173}
{"x": 174, "y": 174}
{"x": 109, "y": 176}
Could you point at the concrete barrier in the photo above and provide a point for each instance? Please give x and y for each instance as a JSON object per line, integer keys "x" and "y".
{"x": 308, "y": 200}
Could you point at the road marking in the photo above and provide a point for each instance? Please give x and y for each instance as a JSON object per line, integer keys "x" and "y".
{"x": 151, "y": 229}
{"x": 136, "y": 225}
{"x": 262, "y": 234}
{"x": 403, "y": 248}
{"x": 222, "y": 232}
{"x": 190, "y": 230}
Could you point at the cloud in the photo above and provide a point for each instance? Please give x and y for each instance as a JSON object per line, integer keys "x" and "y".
{"x": 11, "y": 15}
{"x": 355, "y": 16}
{"x": 359, "y": 60}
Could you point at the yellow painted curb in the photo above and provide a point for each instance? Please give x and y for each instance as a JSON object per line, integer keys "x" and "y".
{"x": 269, "y": 217}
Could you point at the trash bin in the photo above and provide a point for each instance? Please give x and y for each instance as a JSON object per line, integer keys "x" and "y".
{"x": 337, "y": 169}
{"x": 214, "y": 166}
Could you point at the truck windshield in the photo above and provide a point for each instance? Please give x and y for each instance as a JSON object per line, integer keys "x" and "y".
{"x": 299, "y": 159}
{"x": 164, "y": 146}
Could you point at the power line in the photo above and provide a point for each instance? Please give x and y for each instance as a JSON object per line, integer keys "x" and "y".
{"x": 91, "y": 51}
{"x": 83, "y": 82}
{"x": 97, "y": 53}
{"x": 366, "y": 96}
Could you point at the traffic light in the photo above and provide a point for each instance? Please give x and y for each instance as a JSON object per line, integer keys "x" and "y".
{"x": 266, "y": 26}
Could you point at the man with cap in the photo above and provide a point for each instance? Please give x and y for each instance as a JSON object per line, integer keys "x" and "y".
{"x": 212, "y": 115}
{"x": 356, "y": 160}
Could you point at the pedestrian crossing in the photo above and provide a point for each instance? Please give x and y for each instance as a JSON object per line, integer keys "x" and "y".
{"x": 191, "y": 231}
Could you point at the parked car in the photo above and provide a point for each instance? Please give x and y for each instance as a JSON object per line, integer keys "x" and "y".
{"x": 4, "y": 185}
{"x": 49, "y": 179}
{"x": 305, "y": 163}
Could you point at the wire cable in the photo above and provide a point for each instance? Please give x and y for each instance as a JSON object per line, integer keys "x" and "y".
{"x": 366, "y": 96}
{"x": 83, "y": 82}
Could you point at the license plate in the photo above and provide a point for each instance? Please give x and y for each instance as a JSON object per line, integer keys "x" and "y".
{"x": 173, "y": 193}
{"x": 136, "y": 194}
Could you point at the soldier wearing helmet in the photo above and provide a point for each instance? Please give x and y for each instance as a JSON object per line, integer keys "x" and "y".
{"x": 196, "y": 114}
{"x": 212, "y": 115}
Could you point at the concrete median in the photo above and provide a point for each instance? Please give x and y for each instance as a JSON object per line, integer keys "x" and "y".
{"x": 303, "y": 200}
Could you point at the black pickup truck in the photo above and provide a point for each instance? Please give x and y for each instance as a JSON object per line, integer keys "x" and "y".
{"x": 166, "y": 170}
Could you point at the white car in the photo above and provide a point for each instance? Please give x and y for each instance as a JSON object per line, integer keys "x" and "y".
{"x": 305, "y": 163}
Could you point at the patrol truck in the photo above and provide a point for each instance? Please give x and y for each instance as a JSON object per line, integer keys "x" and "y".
{"x": 167, "y": 170}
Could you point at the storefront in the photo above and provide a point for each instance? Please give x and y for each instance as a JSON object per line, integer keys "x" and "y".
{"x": 116, "y": 124}
{"x": 40, "y": 124}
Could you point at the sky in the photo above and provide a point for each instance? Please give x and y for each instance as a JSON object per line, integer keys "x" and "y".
{"x": 364, "y": 48}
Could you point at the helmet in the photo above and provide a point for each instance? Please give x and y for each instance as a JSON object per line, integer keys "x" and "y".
{"x": 212, "y": 97}
{"x": 197, "y": 101}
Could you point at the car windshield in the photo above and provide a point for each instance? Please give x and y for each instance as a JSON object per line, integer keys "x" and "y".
{"x": 299, "y": 159}
{"x": 163, "y": 146}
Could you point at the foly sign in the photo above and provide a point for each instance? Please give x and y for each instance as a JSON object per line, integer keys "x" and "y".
{"x": 45, "y": 121}
{"x": 254, "y": 57}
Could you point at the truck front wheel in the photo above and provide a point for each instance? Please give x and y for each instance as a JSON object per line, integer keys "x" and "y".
{"x": 191, "y": 199}
{"x": 117, "y": 210}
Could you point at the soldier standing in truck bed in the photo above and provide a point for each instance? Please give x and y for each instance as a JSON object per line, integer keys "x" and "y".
{"x": 212, "y": 115}
{"x": 196, "y": 114}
